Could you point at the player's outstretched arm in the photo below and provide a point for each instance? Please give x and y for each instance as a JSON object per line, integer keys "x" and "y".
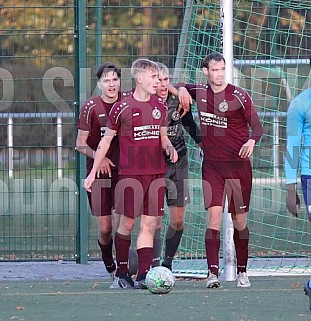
{"x": 100, "y": 154}
{"x": 185, "y": 100}
{"x": 171, "y": 89}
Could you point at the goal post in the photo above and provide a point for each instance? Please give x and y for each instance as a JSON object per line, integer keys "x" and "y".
{"x": 226, "y": 47}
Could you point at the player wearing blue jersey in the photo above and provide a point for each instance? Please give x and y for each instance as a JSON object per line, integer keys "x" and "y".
{"x": 298, "y": 152}
{"x": 298, "y": 132}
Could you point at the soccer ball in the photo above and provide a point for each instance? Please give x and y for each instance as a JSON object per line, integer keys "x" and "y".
{"x": 160, "y": 280}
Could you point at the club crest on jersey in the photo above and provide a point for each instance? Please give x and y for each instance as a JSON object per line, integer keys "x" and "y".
{"x": 175, "y": 115}
{"x": 156, "y": 113}
{"x": 223, "y": 106}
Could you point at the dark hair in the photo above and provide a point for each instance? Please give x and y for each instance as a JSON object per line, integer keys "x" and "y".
{"x": 213, "y": 56}
{"x": 106, "y": 68}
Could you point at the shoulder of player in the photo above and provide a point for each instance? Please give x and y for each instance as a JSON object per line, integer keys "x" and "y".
{"x": 197, "y": 86}
{"x": 91, "y": 102}
{"x": 120, "y": 106}
{"x": 305, "y": 97}
{"x": 172, "y": 101}
{"x": 157, "y": 101}
{"x": 125, "y": 94}
{"x": 239, "y": 93}
{"x": 301, "y": 103}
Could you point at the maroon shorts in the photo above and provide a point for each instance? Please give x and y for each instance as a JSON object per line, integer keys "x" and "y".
{"x": 140, "y": 194}
{"x": 231, "y": 179}
{"x": 101, "y": 199}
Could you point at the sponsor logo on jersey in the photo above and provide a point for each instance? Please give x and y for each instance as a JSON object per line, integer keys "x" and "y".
{"x": 175, "y": 115}
{"x": 146, "y": 132}
{"x": 156, "y": 113}
{"x": 209, "y": 119}
{"x": 223, "y": 106}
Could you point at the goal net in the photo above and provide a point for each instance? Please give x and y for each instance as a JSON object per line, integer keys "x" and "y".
{"x": 271, "y": 60}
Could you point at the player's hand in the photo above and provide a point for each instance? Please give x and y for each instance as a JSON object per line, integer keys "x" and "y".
{"x": 247, "y": 149}
{"x": 172, "y": 153}
{"x": 105, "y": 167}
{"x": 185, "y": 100}
{"x": 292, "y": 199}
{"x": 89, "y": 181}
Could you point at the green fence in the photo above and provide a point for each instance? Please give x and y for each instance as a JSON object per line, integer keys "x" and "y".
{"x": 50, "y": 50}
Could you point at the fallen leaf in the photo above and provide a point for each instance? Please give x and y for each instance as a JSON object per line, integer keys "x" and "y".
{"x": 295, "y": 285}
{"x": 95, "y": 285}
{"x": 19, "y": 308}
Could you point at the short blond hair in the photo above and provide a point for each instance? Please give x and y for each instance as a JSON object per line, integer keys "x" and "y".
{"x": 143, "y": 64}
{"x": 163, "y": 68}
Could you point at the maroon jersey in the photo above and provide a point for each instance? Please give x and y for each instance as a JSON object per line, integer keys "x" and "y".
{"x": 225, "y": 118}
{"x": 138, "y": 125}
{"x": 93, "y": 118}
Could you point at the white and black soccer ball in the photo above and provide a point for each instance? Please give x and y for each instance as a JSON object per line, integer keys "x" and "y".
{"x": 160, "y": 280}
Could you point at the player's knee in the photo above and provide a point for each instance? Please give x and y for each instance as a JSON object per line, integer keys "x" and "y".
{"x": 128, "y": 225}
{"x": 149, "y": 227}
{"x": 104, "y": 236}
{"x": 105, "y": 229}
{"x": 177, "y": 224}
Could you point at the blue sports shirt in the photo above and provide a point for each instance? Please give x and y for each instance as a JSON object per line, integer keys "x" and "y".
{"x": 298, "y": 131}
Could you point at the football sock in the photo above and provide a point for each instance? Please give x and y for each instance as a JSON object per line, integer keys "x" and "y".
{"x": 107, "y": 258}
{"x": 172, "y": 242}
{"x": 122, "y": 244}
{"x": 212, "y": 245}
{"x": 241, "y": 240}
{"x": 144, "y": 259}
{"x": 157, "y": 244}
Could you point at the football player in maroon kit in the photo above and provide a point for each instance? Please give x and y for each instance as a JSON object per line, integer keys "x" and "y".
{"x": 91, "y": 127}
{"x": 226, "y": 112}
{"x": 141, "y": 124}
